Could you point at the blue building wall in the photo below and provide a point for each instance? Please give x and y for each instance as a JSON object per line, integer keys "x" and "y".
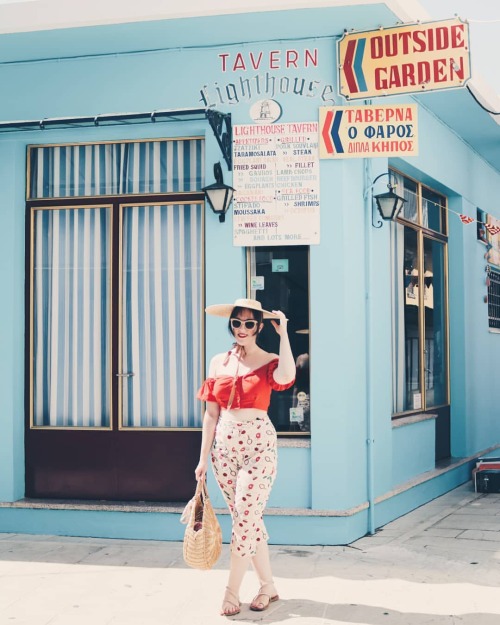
{"x": 413, "y": 450}
{"x": 355, "y": 454}
{"x": 13, "y": 167}
{"x": 448, "y": 165}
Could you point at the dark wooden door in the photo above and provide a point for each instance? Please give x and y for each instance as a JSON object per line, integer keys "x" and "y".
{"x": 114, "y": 466}
{"x": 127, "y": 449}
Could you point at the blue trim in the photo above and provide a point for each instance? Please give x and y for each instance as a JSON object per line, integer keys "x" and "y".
{"x": 334, "y": 132}
{"x": 283, "y": 529}
{"x": 358, "y": 64}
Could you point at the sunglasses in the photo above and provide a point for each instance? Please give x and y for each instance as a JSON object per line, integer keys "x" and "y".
{"x": 249, "y": 324}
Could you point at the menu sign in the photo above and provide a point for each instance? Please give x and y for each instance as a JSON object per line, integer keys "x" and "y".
{"x": 276, "y": 177}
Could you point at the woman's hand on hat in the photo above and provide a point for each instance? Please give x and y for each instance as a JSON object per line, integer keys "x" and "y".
{"x": 283, "y": 321}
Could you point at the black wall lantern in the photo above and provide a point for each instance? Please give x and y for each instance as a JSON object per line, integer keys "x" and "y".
{"x": 388, "y": 204}
{"x": 219, "y": 195}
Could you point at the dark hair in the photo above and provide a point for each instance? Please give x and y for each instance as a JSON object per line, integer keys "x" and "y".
{"x": 258, "y": 315}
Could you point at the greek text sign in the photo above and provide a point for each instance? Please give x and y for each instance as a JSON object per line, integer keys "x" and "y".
{"x": 405, "y": 59}
{"x": 359, "y": 131}
{"x": 276, "y": 177}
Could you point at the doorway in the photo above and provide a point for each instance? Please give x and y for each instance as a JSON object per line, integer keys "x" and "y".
{"x": 114, "y": 309}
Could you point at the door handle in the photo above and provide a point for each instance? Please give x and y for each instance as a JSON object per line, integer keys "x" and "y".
{"x": 125, "y": 375}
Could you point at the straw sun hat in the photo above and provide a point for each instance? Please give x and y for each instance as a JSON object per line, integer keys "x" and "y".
{"x": 224, "y": 310}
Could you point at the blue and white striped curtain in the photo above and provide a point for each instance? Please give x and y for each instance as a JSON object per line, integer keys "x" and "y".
{"x": 161, "y": 286}
{"x": 71, "y": 338}
{"x": 163, "y": 166}
{"x": 161, "y": 304}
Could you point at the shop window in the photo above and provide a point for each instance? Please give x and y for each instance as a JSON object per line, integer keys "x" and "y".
{"x": 161, "y": 304}
{"x": 122, "y": 168}
{"x": 71, "y": 308}
{"x": 493, "y": 282}
{"x": 116, "y": 288}
{"x": 419, "y": 328}
{"x": 278, "y": 276}
{"x": 433, "y": 211}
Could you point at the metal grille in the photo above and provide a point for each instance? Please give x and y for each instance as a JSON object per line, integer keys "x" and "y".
{"x": 493, "y": 282}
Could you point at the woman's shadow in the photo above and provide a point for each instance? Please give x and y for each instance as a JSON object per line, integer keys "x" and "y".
{"x": 320, "y": 613}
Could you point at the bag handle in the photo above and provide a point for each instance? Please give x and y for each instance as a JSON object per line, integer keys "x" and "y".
{"x": 201, "y": 489}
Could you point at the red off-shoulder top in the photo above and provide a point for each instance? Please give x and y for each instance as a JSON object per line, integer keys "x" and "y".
{"x": 253, "y": 389}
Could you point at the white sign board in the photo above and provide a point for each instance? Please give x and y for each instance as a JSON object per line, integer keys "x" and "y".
{"x": 412, "y": 58}
{"x": 276, "y": 177}
{"x": 368, "y": 131}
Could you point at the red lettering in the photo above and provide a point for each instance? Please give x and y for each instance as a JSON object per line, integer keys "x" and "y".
{"x": 430, "y": 40}
{"x": 255, "y": 64}
{"x": 391, "y": 45}
{"x": 409, "y": 75}
{"x": 459, "y": 70}
{"x": 291, "y": 58}
{"x": 224, "y": 57}
{"x": 239, "y": 63}
{"x": 408, "y": 71}
{"x": 376, "y": 47}
{"x": 457, "y": 36}
{"x": 441, "y": 38}
{"x": 406, "y": 38}
{"x": 423, "y": 72}
{"x": 419, "y": 40}
{"x": 380, "y": 78}
{"x": 394, "y": 77}
{"x": 439, "y": 66}
{"x": 274, "y": 59}
{"x": 311, "y": 58}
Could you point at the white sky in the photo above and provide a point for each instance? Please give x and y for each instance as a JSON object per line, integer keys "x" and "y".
{"x": 484, "y": 33}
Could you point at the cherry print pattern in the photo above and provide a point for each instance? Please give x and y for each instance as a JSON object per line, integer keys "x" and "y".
{"x": 245, "y": 476}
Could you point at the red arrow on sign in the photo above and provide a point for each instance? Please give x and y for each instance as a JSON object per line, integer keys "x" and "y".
{"x": 347, "y": 67}
{"x": 325, "y": 133}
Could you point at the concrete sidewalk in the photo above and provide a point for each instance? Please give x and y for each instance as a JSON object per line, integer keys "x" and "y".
{"x": 438, "y": 565}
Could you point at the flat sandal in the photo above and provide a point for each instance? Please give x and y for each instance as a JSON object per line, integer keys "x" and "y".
{"x": 271, "y": 599}
{"x": 229, "y": 599}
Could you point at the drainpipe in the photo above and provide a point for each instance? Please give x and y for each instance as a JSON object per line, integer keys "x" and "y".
{"x": 368, "y": 376}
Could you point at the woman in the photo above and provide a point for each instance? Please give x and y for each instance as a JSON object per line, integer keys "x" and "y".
{"x": 244, "y": 453}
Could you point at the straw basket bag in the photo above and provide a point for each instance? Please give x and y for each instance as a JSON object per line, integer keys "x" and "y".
{"x": 203, "y": 536}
